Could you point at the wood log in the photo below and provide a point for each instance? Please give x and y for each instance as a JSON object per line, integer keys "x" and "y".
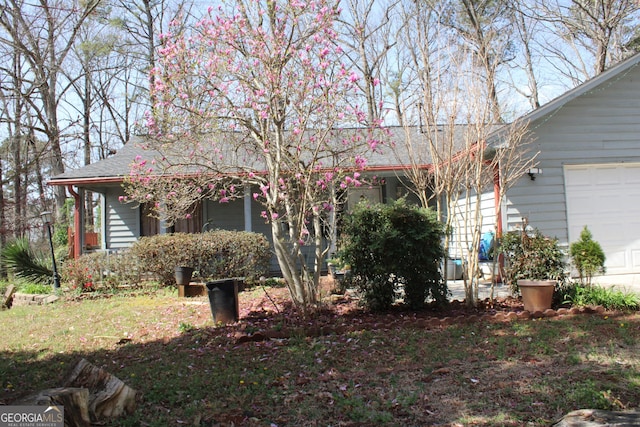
{"x": 75, "y": 402}
{"x": 8, "y": 296}
{"x": 109, "y": 397}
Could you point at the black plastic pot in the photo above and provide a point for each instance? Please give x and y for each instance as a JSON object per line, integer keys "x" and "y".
{"x": 223, "y": 299}
{"x": 183, "y": 275}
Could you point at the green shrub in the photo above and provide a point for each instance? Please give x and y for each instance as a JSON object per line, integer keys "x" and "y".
{"x": 101, "y": 268}
{"x": 215, "y": 254}
{"x": 587, "y": 256}
{"x": 393, "y": 247}
{"x": 611, "y": 299}
{"x": 35, "y": 288}
{"x": 531, "y": 256}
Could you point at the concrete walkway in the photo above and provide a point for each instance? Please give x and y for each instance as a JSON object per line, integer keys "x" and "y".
{"x": 456, "y": 287}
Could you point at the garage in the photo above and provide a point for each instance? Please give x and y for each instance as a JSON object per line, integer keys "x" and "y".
{"x": 606, "y": 198}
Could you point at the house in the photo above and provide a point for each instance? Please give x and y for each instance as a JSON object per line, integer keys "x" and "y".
{"x": 588, "y": 171}
{"x": 587, "y": 174}
{"x": 124, "y": 223}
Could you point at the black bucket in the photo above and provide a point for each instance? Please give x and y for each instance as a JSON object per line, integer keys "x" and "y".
{"x": 223, "y": 299}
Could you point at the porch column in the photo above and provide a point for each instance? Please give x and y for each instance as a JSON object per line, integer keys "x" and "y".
{"x": 247, "y": 209}
{"x": 78, "y": 221}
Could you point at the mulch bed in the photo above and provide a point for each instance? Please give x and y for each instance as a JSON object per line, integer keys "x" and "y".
{"x": 274, "y": 317}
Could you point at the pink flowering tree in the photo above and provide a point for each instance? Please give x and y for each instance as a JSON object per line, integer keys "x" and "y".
{"x": 255, "y": 99}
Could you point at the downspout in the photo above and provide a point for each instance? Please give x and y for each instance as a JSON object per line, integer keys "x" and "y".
{"x": 498, "y": 210}
{"x": 77, "y": 223}
{"x": 497, "y": 200}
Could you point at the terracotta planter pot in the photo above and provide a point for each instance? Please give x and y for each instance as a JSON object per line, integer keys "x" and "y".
{"x": 537, "y": 295}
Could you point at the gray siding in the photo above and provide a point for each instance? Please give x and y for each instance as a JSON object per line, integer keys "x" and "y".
{"x": 600, "y": 126}
{"x": 122, "y": 221}
{"x": 226, "y": 216}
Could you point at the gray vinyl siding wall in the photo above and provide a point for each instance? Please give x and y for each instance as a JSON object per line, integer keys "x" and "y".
{"x": 225, "y": 216}
{"x": 600, "y": 126}
{"x": 122, "y": 221}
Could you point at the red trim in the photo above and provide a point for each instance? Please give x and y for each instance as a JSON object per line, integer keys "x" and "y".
{"x": 77, "y": 224}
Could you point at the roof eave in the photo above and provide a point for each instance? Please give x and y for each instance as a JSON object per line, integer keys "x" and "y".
{"x": 580, "y": 90}
{"x": 86, "y": 181}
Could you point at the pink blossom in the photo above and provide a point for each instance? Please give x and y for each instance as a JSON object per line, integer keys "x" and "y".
{"x": 224, "y": 200}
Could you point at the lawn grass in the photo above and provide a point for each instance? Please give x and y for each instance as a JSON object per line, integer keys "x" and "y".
{"x": 193, "y": 372}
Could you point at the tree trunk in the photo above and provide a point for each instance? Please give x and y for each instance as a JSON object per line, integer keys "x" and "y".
{"x": 3, "y": 221}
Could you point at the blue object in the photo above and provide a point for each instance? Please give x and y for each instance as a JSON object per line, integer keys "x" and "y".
{"x": 486, "y": 246}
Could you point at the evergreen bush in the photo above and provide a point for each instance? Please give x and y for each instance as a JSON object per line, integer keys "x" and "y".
{"x": 391, "y": 248}
{"x": 531, "y": 256}
{"x": 588, "y": 257}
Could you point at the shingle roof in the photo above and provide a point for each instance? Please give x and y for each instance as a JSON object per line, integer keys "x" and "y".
{"x": 392, "y": 155}
{"x": 114, "y": 167}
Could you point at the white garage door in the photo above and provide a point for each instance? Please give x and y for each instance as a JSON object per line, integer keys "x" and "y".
{"x": 606, "y": 198}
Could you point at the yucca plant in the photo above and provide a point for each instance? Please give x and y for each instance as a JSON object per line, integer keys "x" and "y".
{"x": 24, "y": 262}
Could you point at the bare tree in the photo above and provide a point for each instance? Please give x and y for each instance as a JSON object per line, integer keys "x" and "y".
{"x": 485, "y": 30}
{"x": 14, "y": 108}
{"x": 587, "y": 36}
{"x": 367, "y": 28}
{"x": 452, "y": 159}
{"x": 44, "y": 34}
{"x": 525, "y": 27}
{"x": 143, "y": 22}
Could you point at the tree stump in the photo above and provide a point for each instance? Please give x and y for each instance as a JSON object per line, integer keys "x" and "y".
{"x": 75, "y": 402}
{"x": 599, "y": 418}
{"x": 108, "y": 396}
{"x": 8, "y": 296}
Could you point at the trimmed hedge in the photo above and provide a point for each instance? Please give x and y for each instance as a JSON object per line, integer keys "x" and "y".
{"x": 214, "y": 255}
